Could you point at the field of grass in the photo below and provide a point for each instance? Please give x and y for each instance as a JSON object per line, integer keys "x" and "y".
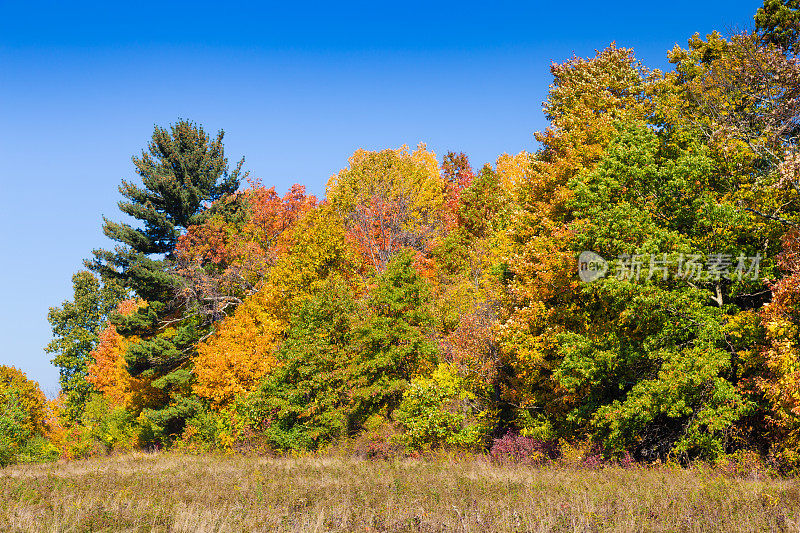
{"x": 170, "y": 492}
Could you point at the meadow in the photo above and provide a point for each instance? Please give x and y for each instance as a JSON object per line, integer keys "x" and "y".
{"x": 181, "y": 492}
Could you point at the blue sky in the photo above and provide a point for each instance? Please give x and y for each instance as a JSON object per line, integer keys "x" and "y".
{"x": 296, "y": 87}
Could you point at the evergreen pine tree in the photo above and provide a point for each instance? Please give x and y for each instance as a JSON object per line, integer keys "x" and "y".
{"x": 183, "y": 171}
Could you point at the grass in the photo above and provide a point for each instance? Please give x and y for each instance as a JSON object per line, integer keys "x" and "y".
{"x": 171, "y": 492}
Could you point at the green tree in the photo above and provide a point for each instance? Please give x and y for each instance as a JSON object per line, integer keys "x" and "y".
{"x": 640, "y": 360}
{"x": 13, "y": 431}
{"x": 345, "y": 360}
{"x": 76, "y": 326}
{"x": 183, "y": 170}
{"x": 393, "y": 342}
{"x": 304, "y": 402}
{"x": 778, "y": 22}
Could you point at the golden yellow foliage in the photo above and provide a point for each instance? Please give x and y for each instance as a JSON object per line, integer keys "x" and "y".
{"x": 240, "y": 352}
{"x": 389, "y": 173}
{"x": 389, "y": 200}
{"x": 512, "y": 171}
{"x": 29, "y": 396}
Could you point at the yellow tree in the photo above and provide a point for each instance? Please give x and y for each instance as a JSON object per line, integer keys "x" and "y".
{"x": 25, "y": 418}
{"x": 26, "y": 394}
{"x": 241, "y": 350}
{"x": 389, "y": 200}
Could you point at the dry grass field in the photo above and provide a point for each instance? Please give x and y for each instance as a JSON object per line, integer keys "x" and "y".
{"x": 170, "y": 492}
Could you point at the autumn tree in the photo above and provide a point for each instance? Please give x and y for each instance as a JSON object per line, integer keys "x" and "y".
{"x": 240, "y": 353}
{"x": 587, "y": 101}
{"x": 221, "y": 261}
{"x": 639, "y": 364}
{"x": 108, "y": 371}
{"x": 242, "y": 349}
{"x": 779, "y": 380}
{"x": 744, "y": 97}
{"x": 24, "y": 415}
{"x": 390, "y": 200}
{"x": 458, "y": 175}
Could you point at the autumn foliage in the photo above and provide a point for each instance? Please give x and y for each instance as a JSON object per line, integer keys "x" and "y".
{"x": 109, "y": 372}
{"x": 241, "y": 352}
{"x": 425, "y": 303}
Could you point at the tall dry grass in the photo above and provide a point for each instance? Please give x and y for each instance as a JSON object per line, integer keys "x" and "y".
{"x": 169, "y": 492}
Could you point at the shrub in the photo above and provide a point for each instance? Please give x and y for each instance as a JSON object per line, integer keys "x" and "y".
{"x": 586, "y": 454}
{"x": 38, "y": 450}
{"x": 114, "y": 428}
{"x": 378, "y": 441}
{"x": 202, "y": 430}
{"x": 440, "y": 412}
{"x": 626, "y": 460}
{"x": 222, "y": 430}
{"x": 515, "y": 448}
{"x": 742, "y": 464}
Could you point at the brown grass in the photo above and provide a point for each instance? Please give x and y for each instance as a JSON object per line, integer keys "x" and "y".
{"x": 170, "y": 492}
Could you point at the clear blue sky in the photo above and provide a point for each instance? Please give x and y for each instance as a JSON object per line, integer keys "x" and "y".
{"x": 297, "y": 88}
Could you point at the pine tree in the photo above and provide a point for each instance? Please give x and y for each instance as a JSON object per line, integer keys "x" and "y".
{"x": 778, "y": 22}
{"x": 183, "y": 172}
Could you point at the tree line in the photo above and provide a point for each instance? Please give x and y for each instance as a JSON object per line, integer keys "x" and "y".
{"x": 424, "y": 303}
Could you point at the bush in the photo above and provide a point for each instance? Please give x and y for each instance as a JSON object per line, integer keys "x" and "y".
{"x": 742, "y": 464}
{"x": 114, "y": 428}
{"x": 587, "y": 454}
{"x": 626, "y": 460}
{"x": 78, "y": 444}
{"x": 379, "y": 441}
{"x": 38, "y": 450}
{"x": 202, "y": 430}
{"x": 440, "y": 412}
{"x": 221, "y": 430}
{"x": 515, "y": 448}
